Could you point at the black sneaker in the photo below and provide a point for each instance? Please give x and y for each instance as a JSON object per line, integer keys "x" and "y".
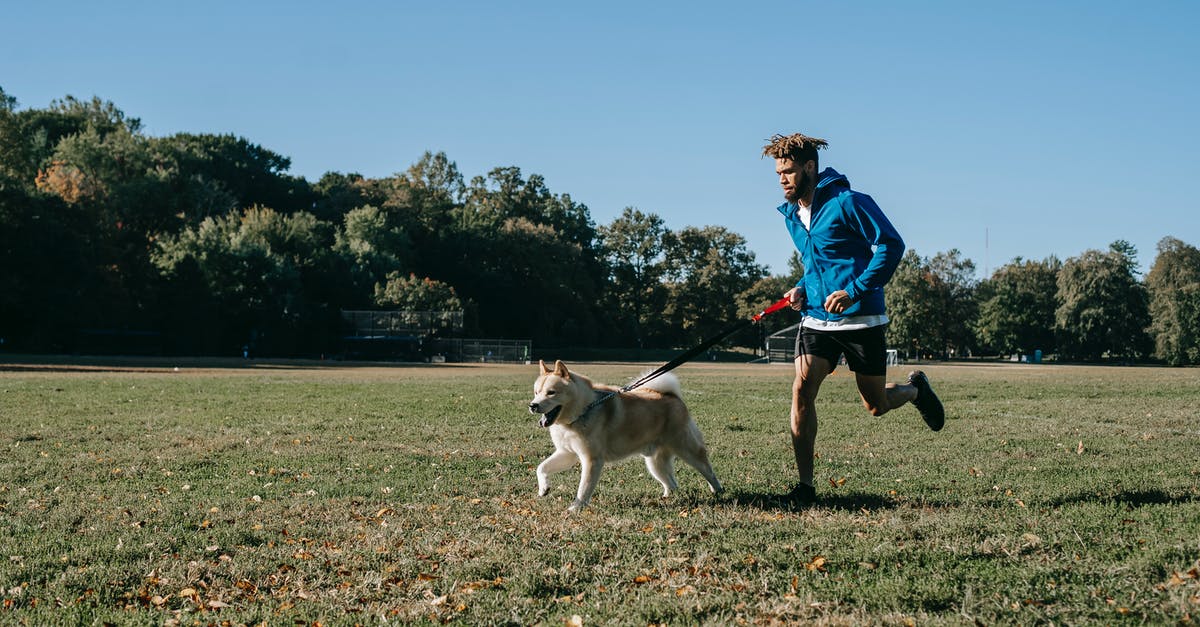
{"x": 926, "y": 401}
{"x": 803, "y": 495}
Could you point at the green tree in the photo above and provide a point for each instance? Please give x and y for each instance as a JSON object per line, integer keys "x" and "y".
{"x": 954, "y": 286}
{"x": 250, "y": 174}
{"x": 504, "y": 194}
{"x": 75, "y": 261}
{"x": 44, "y": 291}
{"x": 373, "y": 245}
{"x": 912, "y": 303}
{"x": 708, "y": 268}
{"x": 1174, "y": 288}
{"x": 633, "y": 246}
{"x": 763, "y": 293}
{"x": 29, "y": 137}
{"x": 931, "y": 305}
{"x": 264, "y": 272}
{"x": 513, "y": 238}
{"x": 8, "y": 103}
{"x": 336, "y": 194}
{"x": 109, "y": 176}
{"x": 430, "y": 196}
{"x": 411, "y": 293}
{"x": 1017, "y": 304}
{"x": 1102, "y": 307}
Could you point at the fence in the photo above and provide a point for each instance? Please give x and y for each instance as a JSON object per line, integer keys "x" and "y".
{"x": 781, "y": 345}
{"x": 481, "y": 350}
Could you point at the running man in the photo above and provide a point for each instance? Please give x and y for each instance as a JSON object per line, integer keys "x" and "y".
{"x": 849, "y": 250}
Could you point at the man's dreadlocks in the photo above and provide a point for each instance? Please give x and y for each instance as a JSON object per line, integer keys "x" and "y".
{"x": 799, "y": 148}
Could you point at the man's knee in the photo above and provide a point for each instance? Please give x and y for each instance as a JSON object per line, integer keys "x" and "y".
{"x": 873, "y": 392}
{"x": 876, "y": 409}
{"x": 805, "y": 390}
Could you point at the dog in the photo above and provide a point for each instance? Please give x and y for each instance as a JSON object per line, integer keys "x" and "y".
{"x": 651, "y": 420}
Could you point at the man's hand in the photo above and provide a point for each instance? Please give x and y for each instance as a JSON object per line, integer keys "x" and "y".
{"x": 838, "y": 302}
{"x": 797, "y": 298}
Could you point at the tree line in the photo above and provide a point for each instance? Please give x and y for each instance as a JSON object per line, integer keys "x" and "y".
{"x": 202, "y": 243}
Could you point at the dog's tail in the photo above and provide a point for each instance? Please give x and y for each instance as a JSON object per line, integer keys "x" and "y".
{"x": 667, "y": 384}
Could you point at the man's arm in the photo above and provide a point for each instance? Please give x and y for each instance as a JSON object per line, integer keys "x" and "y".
{"x": 889, "y": 247}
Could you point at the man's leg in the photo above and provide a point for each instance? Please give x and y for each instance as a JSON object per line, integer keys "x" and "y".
{"x": 866, "y": 352}
{"x": 810, "y": 372}
{"x": 879, "y": 396}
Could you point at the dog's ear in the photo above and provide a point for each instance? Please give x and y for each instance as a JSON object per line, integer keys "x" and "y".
{"x": 542, "y": 365}
{"x": 560, "y": 369}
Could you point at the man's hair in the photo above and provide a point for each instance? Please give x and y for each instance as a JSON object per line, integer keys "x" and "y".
{"x": 799, "y": 148}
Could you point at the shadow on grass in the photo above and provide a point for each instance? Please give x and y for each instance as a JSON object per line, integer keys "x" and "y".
{"x": 839, "y": 500}
{"x": 1131, "y": 498}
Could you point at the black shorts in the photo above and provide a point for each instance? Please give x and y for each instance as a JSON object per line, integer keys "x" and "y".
{"x": 865, "y": 349}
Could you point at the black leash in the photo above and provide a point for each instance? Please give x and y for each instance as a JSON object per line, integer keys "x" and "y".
{"x": 687, "y": 355}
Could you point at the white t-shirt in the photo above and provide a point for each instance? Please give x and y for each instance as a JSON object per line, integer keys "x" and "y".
{"x": 852, "y": 323}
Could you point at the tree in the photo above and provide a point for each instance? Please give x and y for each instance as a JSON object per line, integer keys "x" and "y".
{"x": 764, "y": 292}
{"x": 427, "y": 198}
{"x": 416, "y": 294}
{"x": 708, "y": 268}
{"x": 912, "y": 302}
{"x": 49, "y": 277}
{"x": 504, "y": 194}
{"x": 8, "y": 103}
{"x": 931, "y": 304}
{"x": 1017, "y": 304}
{"x": 335, "y": 194}
{"x": 1174, "y": 288}
{"x": 28, "y": 138}
{"x": 954, "y": 286}
{"x": 251, "y": 174}
{"x": 1102, "y": 308}
{"x": 513, "y": 238}
{"x": 264, "y": 272}
{"x": 108, "y": 175}
{"x": 60, "y": 227}
{"x": 373, "y": 245}
{"x": 634, "y": 252}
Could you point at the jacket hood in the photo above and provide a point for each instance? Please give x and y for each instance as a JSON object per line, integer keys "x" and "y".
{"x": 829, "y": 183}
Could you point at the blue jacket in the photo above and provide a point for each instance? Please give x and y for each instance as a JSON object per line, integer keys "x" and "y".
{"x": 851, "y": 246}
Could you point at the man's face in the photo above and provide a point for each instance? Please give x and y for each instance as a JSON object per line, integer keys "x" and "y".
{"x": 795, "y": 179}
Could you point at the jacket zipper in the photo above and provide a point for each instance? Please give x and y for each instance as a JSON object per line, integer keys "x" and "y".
{"x": 812, "y": 217}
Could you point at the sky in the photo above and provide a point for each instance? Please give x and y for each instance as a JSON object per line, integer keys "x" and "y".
{"x": 1003, "y": 130}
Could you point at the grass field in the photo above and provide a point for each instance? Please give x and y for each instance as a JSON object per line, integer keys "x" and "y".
{"x": 297, "y": 493}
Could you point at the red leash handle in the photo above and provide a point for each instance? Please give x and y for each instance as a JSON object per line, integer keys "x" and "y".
{"x": 779, "y": 304}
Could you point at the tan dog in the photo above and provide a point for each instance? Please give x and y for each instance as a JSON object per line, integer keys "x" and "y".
{"x": 651, "y": 421}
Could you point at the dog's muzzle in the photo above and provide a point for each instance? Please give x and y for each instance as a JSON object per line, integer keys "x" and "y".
{"x": 548, "y": 416}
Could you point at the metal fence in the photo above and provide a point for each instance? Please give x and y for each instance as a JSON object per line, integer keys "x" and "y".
{"x": 781, "y": 345}
{"x": 481, "y": 350}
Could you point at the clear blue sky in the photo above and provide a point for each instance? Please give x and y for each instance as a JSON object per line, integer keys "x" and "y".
{"x": 1053, "y": 127}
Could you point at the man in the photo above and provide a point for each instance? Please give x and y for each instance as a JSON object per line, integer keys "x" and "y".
{"x": 849, "y": 250}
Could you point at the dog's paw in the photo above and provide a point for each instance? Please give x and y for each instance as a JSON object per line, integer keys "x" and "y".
{"x": 544, "y": 491}
{"x": 576, "y": 507}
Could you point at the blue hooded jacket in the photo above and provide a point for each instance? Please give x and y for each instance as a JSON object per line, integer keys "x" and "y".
{"x": 850, "y": 246}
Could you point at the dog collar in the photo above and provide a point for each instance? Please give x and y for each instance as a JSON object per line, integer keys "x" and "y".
{"x": 594, "y": 404}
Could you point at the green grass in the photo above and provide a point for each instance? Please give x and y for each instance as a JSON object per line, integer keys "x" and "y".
{"x": 141, "y": 495}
